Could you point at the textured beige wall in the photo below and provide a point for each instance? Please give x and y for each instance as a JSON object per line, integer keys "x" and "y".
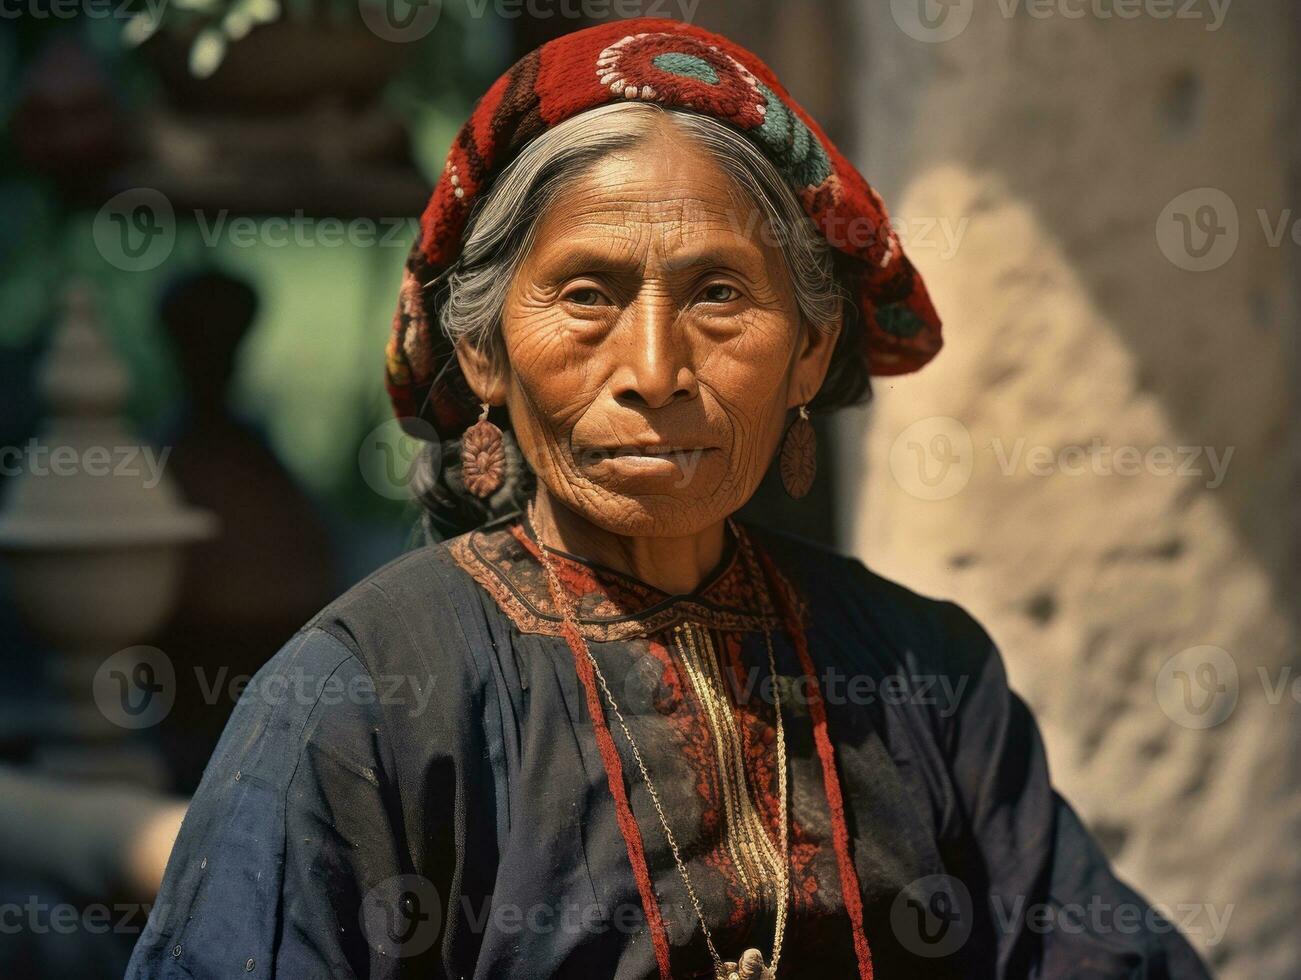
{"x": 1032, "y": 162}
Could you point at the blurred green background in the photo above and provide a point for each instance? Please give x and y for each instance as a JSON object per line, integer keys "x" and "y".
{"x": 310, "y": 373}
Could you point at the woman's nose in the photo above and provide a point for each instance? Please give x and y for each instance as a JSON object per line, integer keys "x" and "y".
{"x": 654, "y": 366}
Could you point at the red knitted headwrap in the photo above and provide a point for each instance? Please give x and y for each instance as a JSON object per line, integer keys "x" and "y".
{"x": 674, "y": 65}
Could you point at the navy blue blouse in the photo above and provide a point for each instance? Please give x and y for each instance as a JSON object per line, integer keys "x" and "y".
{"x": 412, "y": 788}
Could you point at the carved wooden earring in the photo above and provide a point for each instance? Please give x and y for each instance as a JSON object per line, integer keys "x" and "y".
{"x": 483, "y": 458}
{"x": 799, "y": 455}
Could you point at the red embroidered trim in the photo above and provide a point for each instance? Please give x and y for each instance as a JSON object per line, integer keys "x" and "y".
{"x": 794, "y": 623}
{"x": 515, "y": 593}
{"x": 623, "y": 810}
{"x": 830, "y": 780}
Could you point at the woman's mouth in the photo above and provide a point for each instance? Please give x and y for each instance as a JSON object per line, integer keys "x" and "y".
{"x": 656, "y": 451}
{"x": 665, "y": 460}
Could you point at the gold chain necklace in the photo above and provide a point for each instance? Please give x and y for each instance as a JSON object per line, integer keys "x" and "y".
{"x": 751, "y": 965}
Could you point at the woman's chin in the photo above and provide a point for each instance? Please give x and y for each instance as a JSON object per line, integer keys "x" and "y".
{"x": 629, "y": 497}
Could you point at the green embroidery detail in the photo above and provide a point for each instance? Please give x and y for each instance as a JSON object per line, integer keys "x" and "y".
{"x": 686, "y": 65}
{"x": 802, "y": 142}
{"x": 776, "y": 129}
{"x": 792, "y": 146}
{"x": 898, "y": 320}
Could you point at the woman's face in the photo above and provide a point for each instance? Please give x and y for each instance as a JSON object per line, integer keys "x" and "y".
{"x": 654, "y": 344}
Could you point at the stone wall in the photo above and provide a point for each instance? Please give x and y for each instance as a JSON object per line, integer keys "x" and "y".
{"x": 1104, "y": 324}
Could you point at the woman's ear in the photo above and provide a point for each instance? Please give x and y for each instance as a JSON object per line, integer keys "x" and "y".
{"x": 813, "y": 360}
{"x": 485, "y": 374}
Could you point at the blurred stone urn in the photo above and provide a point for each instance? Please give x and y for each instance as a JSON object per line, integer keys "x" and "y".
{"x": 94, "y": 535}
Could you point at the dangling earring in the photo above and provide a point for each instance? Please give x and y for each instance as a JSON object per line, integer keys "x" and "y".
{"x": 799, "y": 455}
{"x": 483, "y": 458}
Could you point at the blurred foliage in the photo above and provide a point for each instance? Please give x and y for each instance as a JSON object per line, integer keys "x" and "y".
{"x": 212, "y": 24}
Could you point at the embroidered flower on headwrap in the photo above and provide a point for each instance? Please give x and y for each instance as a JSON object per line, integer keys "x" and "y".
{"x": 675, "y": 65}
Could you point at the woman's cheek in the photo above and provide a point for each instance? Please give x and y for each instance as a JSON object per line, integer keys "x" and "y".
{"x": 546, "y": 399}
{"x": 541, "y": 337}
{"x": 538, "y": 441}
{"x": 750, "y": 371}
{"x": 549, "y": 364}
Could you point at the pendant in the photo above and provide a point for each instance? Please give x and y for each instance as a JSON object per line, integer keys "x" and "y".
{"x": 799, "y": 456}
{"x": 483, "y": 458}
{"x": 749, "y": 967}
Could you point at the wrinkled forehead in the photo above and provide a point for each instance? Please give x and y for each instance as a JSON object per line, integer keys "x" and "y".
{"x": 662, "y": 197}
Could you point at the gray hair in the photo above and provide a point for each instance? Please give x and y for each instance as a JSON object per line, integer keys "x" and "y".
{"x": 502, "y": 227}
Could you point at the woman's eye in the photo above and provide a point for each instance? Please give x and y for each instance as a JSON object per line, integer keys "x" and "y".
{"x": 720, "y": 292}
{"x": 586, "y": 296}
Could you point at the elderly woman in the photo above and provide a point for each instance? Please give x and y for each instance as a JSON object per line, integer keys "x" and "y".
{"x": 610, "y": 732}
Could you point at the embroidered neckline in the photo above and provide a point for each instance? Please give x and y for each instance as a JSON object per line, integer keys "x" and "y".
{"x": 611, "y": 605}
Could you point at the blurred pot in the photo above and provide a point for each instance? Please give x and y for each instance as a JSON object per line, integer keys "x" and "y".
{"x": 279, "y": 68}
